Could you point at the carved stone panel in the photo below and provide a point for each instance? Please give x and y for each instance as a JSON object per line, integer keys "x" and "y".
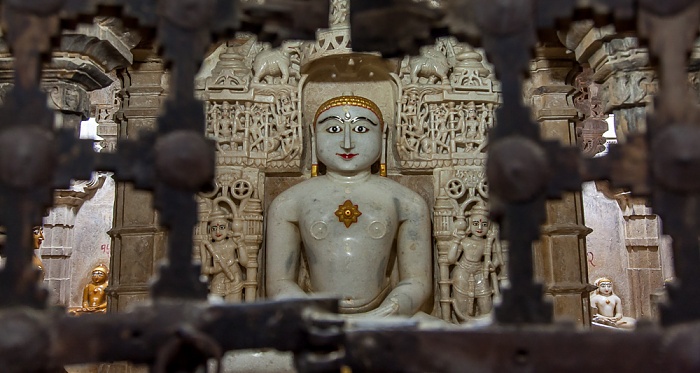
{"x": 237, "y": 200}
{"x": 252, "y": 104}
{"x": 471, "y": 259}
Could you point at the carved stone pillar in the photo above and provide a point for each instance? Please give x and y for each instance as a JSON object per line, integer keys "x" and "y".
{"x": 57, "y": 248}
{"x": 137, "y": 240}
{"x": 644, "y": 270}
{"x": 560, "y": 256}
{"x": 104, "y": 105}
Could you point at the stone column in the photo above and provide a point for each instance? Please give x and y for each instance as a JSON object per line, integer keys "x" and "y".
{"x": 560, "y": 255}
{"x": 137, "y": 240}
{"x": 58, "y": 245}
{"x": 644, "y": 272}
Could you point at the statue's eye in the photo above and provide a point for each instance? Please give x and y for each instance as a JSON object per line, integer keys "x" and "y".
{"x": 334, "y": 129}
{"x": 360, "y": 129}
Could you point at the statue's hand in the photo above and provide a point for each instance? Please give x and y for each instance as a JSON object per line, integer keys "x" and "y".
{"x": 384, "y": 310}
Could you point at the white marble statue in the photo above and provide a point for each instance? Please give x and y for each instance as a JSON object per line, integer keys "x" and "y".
{"x": 607, "y": 307}
{"x": 365, "y": 238}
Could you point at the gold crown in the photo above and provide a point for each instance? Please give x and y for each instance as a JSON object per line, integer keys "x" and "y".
{"x": 358, "y": 101}
{"x": 601, "y": 280}
{"x": 102, "y": 268}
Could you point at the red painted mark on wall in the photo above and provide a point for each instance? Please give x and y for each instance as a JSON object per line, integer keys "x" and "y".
{"x": 105, "y": 248}
{"x": 590, "y": 258}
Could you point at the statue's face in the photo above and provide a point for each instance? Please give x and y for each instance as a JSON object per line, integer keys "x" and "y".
{"x": 98, "y": 277}
{"x": 218, "y": 229}
{"x": 38, "y": 234}
{"x": 479, "y": 225}
{"x": 605, "y": 288}
{"x": 348, "y": 139}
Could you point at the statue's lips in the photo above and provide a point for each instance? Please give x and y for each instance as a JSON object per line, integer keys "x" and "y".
{"x": 346, "y": 156}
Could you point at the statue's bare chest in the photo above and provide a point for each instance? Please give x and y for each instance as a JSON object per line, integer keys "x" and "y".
{"x": 341, "y": 216}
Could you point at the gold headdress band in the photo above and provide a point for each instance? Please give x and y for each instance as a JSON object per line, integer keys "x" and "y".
{"x": 358, "y": 101}
{"x": 601, "y": 280}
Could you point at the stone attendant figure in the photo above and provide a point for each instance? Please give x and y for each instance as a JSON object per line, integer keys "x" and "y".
{"x": 223, "y": 256}
{"x": 607, "y": 307}
{"x": 471, "y": 275}
{"x": 94, "y": 297}
{"x": 354, "y": 228}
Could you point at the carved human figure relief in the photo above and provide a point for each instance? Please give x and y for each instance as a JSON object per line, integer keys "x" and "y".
{"x": 471, "y": 258}
{"x": 223, "y": 255}
{"x": 364, "y": 238}
{"x": 476, "y": 256}
{"x": 229, "y": 234}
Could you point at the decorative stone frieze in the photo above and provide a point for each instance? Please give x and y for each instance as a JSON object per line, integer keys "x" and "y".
{"x": 253, "y": 105}
{"x": 446, "y": 107}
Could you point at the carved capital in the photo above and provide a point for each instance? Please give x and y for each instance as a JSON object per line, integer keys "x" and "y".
{"x": 80, "y": 191}
{"x": 549, "y": 89}
{"x": 629, "y": 89}
{"x": 69, "y": 98}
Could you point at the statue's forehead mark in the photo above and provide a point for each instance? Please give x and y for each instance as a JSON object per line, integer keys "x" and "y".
{"x": 346, "y": 110}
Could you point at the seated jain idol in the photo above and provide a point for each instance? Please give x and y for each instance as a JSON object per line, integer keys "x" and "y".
{"x": 360, "y": 237}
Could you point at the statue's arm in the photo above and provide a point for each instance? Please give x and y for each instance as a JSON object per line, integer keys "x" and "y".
{"x": 618, "y": 308}
{"x": 86, "y": 299}
{"x": 414, "y": 251}
{"x": 594, "y": 305}
{"x": 283, "y": 249}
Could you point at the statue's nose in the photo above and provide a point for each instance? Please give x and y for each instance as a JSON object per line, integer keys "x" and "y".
{"x": 347, "y": 138}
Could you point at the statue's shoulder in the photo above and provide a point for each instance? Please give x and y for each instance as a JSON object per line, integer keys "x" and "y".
{"x": 296, "y": 193}
{"x": 403, "y": 193}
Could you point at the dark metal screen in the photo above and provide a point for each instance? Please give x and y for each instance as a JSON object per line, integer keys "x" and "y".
{"x": 178, "y": 331}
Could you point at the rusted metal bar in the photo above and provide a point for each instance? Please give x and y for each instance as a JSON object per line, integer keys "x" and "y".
{"x": 177, "y": 335}
{"x": 523, "y": 349}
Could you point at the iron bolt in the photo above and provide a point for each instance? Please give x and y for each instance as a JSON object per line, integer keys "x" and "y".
{"x": 517, "y": 169}
{"x": 26, "y": 156}
{"x": 676, "y": 163}
{"x": 185, "y": 159}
